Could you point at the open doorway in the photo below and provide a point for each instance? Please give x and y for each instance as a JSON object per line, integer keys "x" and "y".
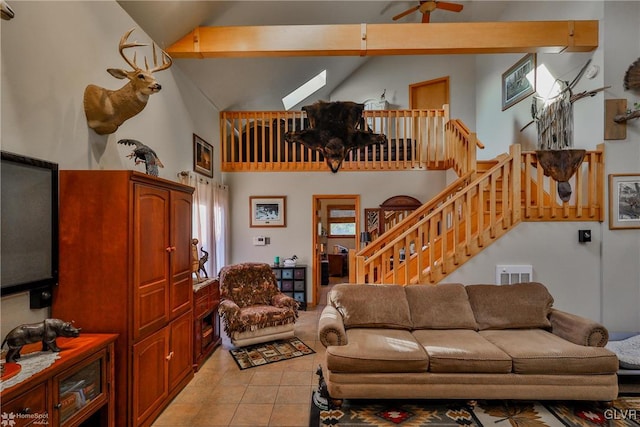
{"x": 336, "y": 227}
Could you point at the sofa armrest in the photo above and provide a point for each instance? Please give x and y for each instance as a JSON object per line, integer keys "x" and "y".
{"x": 282, "y": 300}
{"x": 331, "y": 328}
{"x": 577, "y": 329}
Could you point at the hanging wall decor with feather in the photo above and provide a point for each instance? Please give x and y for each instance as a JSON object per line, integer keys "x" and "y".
{"x": 632, "y": 76}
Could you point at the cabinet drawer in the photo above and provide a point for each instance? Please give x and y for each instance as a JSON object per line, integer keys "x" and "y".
{"x": 299, "y": 274}
{"x": 33, "y": 402}
{"x": 298, "y": 286}
{"x": 215, "y": 292}
{"x": 287, "y": 285}
{"x": 202, "y": 305}
{"x": 287, "y": 273}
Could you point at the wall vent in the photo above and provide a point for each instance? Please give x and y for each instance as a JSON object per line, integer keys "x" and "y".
{"x": 510, "y": 274}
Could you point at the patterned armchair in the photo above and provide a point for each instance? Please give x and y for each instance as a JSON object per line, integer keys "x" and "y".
{"x": 252, "y": 307}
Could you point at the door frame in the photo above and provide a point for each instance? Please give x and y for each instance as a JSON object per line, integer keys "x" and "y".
{"x": 315, "y": 244}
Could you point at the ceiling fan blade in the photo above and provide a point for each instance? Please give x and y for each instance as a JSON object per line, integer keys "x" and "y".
{"x": 425, "y": 17}
{"x": 453, "y": 7}
{"x": 406, "y": 12}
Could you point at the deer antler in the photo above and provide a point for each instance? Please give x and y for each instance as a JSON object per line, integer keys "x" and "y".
{"x": 166, "y": 59}
{"x": 122, "y": 46}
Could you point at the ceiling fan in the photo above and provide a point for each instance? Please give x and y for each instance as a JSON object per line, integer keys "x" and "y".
{"x": 426, "y": 7}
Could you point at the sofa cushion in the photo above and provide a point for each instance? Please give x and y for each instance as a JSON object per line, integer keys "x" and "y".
{"x": 535, "y": 351}
{"x": 456, "y": 351}
{"x": 522, "y": 305}
{"x": 377, "y": 350}
{"x": 444, "y": 306}
{"x": 371, "y": 306}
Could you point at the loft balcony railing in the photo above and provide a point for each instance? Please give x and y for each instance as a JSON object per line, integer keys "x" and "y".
{"x": 416, "y": 140}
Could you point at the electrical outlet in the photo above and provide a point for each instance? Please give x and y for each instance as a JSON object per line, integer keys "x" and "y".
{"x": 584, "y": 236}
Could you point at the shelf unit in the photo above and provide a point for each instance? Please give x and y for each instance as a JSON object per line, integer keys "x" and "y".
{"x": 76, "y": 390}
{"x": 292, "y": 281}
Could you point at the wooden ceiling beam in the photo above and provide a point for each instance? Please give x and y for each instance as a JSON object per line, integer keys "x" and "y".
{"x": 388, "y": 39}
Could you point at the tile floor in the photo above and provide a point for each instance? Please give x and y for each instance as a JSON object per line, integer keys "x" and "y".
{"x": 277, "y": 394}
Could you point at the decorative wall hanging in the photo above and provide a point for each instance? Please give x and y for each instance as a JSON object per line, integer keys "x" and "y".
{"x": 202, "y": 156}
{"x": 515, "y": 85}
{"x": 107, "y": 109}
{"x": 624, "y": 201}
{"x": 143, "y": 154}
{"x": 268, "y": 211}
{"x": 632, "y": 76}
{"x": 335, "y": 129}
{"x": 5, "y": 11}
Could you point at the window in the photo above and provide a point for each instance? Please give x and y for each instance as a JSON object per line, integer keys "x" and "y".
{"x": 315, "y": 84}
{"x": 341, "y": 220}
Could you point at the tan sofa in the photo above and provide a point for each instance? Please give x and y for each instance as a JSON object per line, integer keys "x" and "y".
{"x": 451, "y": 341}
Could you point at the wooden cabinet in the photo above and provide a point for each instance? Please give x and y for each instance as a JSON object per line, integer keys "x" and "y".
{"x": 292, "y": 281}
{"x": 206, "y": 321}
{"x": 76, "y": 390}
{"x": 125, "y": 267}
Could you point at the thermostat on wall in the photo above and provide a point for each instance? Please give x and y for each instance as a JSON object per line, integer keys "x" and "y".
{"x": 259, "y": 241}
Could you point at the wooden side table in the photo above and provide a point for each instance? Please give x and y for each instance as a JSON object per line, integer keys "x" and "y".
{"x": 206, "y": 328}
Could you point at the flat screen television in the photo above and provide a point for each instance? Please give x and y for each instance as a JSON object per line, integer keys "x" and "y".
{"x": 29, "y": 227}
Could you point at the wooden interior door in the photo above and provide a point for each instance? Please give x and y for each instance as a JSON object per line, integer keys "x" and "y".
{"x": 430, "y": 94}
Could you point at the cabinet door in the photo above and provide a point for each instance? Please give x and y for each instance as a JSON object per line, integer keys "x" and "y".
{"x": 150, "y": 373}
{"x": 151, "y": 251}
{"x": 181, "y": 235}
{"x": 180, "y": 349}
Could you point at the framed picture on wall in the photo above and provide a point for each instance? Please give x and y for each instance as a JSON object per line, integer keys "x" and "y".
{"x": 268, "y": 211}
{"x": 202, "y": 156}
{"x": 519, "y": 81}
{"x": 624, "y": 201}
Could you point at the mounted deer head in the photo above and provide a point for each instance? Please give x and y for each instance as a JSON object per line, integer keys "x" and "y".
{"x": 107, "y": 109}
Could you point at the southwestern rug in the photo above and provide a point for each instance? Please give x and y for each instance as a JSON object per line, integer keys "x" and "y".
{"x": 270, "y": 352}
{"x": 624, "y": 412}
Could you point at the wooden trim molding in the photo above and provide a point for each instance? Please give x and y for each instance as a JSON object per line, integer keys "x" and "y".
{"x": 388, "y": 39}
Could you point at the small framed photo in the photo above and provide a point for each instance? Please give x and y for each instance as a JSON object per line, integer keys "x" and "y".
{"x": 202, "y": 156}
{"x": 624, "y": 201}
{"x": 268, "y": 211}
{"x": 519, "y": 81}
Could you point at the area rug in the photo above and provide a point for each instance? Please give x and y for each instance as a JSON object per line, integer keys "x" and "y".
{"x": 270, "y": 352}
{"x": 625, "y": 412}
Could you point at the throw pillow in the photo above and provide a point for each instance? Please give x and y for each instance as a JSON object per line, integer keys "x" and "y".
{"x": 444, "y": 306}
{"x": 371, "y": 306}
{"x": 518, "y": 306}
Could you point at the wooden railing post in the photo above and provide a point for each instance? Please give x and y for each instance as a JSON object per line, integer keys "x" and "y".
{"x": 516, "y": 183}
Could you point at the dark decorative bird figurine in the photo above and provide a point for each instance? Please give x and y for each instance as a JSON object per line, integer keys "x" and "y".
{"x": 335, "y": 129}
{"x": 143, "y": 154}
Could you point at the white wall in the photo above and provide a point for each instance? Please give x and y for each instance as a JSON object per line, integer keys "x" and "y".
{"x": 299, "y": 188}
{"x": 50, "y": 52}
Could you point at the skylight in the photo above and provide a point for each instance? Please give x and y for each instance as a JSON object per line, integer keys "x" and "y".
{"x": 316, "y": 83}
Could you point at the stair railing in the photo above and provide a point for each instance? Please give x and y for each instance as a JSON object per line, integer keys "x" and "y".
{"x": 452, "y": 233}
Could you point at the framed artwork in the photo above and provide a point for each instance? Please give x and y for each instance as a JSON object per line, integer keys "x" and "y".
{"x": 202, "y": 156}
{"x": 268, "y": 211}
{"x": 515, "y": 84}
{"x": 624, "y": 201}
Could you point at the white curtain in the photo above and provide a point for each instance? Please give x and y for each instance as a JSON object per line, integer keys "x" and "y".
{"x": 210, "y": 220}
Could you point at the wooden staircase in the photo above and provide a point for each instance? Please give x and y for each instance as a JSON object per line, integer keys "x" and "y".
{"x": 473, "y": 212}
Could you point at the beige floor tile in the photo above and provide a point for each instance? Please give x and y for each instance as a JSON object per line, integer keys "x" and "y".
{"x": 214, "y": 415}
{"x": 177, "y": 414}
{"x": 260, "y": 394}
{"x": 296, "y": 378}
{"x": 266, "y": 378}
{"x": 252, "y": 414}
{"x": 228, "y": 393}
{"x": 290, "y": 416}
{"x": 293, "y": 394}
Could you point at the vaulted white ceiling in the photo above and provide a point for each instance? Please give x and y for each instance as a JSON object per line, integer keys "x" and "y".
{"x": 260, "y": 83}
